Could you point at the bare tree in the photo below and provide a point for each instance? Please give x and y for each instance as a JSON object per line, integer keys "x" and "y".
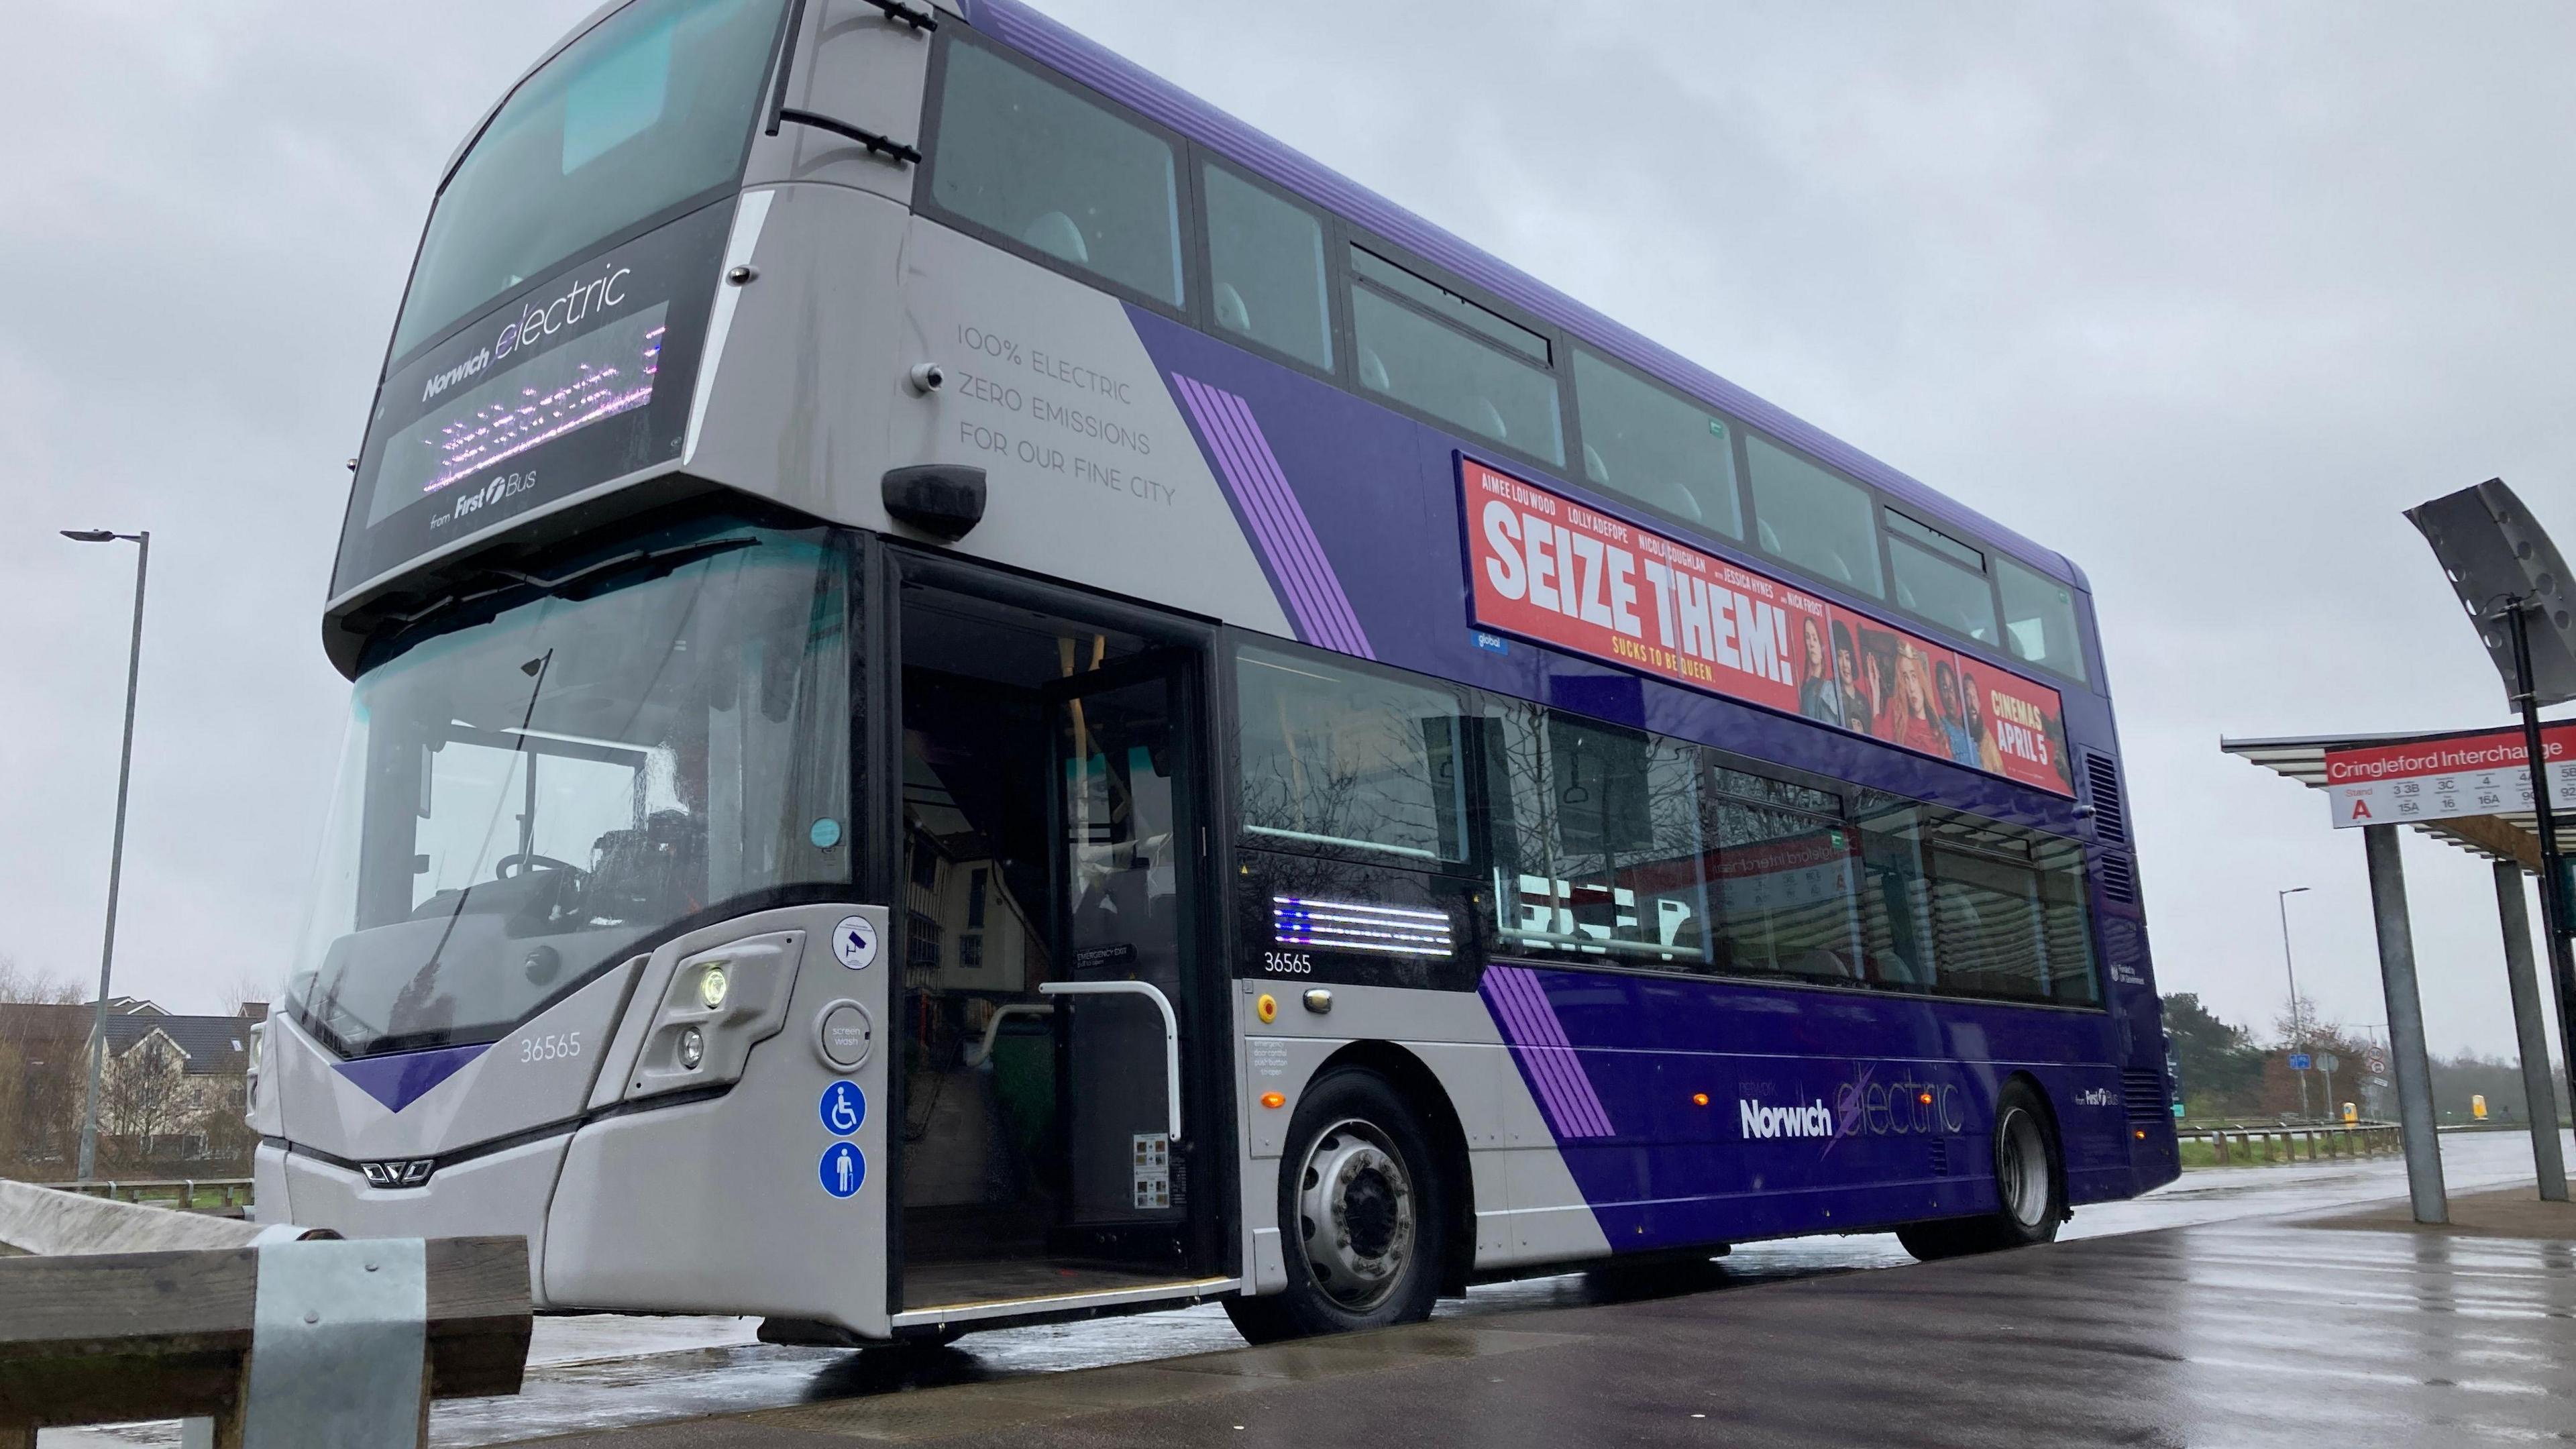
{"x": 144, "y": 1097}
{"x": 41, "y": 1035}
{"x": 246, "y": 988}
{"x": 26, "y": 985}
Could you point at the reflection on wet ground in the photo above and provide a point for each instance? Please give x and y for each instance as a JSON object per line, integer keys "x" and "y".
{"x": 607, "y": 1372}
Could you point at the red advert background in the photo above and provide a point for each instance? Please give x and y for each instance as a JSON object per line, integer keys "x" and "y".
{"x": 1547, "y": 568}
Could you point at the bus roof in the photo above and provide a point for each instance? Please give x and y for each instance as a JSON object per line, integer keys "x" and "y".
{"x": 1123, "y": 80}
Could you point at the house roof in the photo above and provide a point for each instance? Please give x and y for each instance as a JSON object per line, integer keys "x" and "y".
{"x": 210, "y": 1045}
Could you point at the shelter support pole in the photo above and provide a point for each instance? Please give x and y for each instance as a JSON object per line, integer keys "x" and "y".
{"x": 2554, "y": 925}
{"x": 2405, "y": 1025}
{"x": 2538, "y": 1083}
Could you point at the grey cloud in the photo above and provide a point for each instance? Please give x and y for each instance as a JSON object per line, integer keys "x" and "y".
{"x": 2201, "y": 295}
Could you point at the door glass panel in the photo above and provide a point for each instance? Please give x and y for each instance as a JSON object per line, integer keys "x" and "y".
{"x": 1119, "y": 858}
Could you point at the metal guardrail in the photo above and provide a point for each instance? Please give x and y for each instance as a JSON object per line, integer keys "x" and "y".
{"x": 2281, "y": 1144}
{"x": 260, "y": 1338}
{"x": 231, "y": 1194}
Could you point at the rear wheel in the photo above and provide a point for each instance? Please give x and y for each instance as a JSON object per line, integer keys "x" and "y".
{"x": 1362, "y": 1215}
{"x": 2030, "y": 1179}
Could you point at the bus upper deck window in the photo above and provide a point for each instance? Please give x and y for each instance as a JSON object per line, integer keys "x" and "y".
{"x": 1939, "y": 578}
{"x": 1499, "y": 391}
{"x": 1266, "y": 269}
{"x": 1642, "y": 442}
{"x": 650, "y": 109}
{"x": 2039, "y": 619}
{"x": 1057, "y": 174}
{"x": 1813, "y": 519}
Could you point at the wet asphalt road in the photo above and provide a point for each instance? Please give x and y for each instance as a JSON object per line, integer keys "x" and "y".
{"x": 611, "y": 1372}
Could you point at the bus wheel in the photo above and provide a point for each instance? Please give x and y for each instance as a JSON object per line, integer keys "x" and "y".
{"x": 1363, "y": 1216}
{"x": 2029, "y": 1191}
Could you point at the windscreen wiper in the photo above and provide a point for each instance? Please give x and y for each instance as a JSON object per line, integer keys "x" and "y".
{"x": 580, "y": 583}
{"x": 921, "y": 22}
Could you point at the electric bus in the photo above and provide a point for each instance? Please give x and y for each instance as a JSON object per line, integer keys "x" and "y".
{"x": 981, "y": 696}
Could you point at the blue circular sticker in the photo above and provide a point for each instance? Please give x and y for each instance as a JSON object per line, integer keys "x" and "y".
{"x": 843, "y": 1108}
{"x": 825, "y": 834}
{"x": 842, "y": 1169}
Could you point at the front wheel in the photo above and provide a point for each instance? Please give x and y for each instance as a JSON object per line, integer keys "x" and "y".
{"x": 2029, "y": 1187}
{"x": 1362, "y": 1214}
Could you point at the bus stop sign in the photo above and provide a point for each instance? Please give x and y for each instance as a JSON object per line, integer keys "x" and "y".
{"x": 2298, "y": 1061}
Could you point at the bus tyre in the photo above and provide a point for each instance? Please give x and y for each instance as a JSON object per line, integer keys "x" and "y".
{"x": 2030, "y": 1187}
{"x": 1363, "y": 1216}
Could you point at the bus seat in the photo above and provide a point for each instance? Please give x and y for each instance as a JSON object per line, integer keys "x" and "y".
{"x": 1594, "y": 468}
{"x": 1055, "y": 234}
{"x": 1373, "y": 372}
{"x": 1231, "y": 314}
{"x": 1770, "y": 540}
{"x": 1488, "y": 419}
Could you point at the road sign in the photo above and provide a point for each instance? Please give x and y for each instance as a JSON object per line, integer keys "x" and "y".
{"x": 2483, "y": 772}
{"x": 2329, "y": 1063}
{"x": 2299, "y": 1061}
{"x": 2375, "y": 1062}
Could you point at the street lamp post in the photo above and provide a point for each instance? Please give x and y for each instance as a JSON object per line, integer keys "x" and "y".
{"x": 2298, "y": 1034}
{"x": 116, "y": 852}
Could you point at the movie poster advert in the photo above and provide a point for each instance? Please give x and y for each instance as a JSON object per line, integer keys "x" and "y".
{"x": 1546, "y": 568}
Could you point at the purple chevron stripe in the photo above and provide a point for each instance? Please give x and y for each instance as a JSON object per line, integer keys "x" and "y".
{"x": 1277, "y": 521}
{"x": 400, "y": 1080}
{"x": 1529, "y": 1023}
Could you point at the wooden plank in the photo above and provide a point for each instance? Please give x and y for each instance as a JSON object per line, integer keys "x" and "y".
{"x": 479, "y": 1317}
{"x": 108, "y": 1388}
{"x": 127, "y": 1303}
{"x": 105, "y": 1337}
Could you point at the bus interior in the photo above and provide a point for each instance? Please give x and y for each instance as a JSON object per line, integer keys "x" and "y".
{"x": 1050, "y": 915}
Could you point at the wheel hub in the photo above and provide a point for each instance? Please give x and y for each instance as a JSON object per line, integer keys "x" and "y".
{"x": 1356, "y": 1205}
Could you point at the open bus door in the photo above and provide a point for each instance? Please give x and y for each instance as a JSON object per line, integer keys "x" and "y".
{"x": 1060, "y": 1126}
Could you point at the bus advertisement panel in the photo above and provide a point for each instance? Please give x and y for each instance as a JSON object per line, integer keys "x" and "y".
{"x": 1547, "y": 568}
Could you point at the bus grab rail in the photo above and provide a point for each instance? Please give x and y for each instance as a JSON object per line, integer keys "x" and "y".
{"x": 1171, "y": 1030}
{"x": 982, "y": 1051}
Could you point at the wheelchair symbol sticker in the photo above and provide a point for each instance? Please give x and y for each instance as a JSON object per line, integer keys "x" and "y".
{"x": 854, "y": 941}
{"x": 842, "y": 1169}
{"x": 843, "y": 1107}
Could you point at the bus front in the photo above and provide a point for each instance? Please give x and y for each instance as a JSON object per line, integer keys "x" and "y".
{"x": 591, "y": 840}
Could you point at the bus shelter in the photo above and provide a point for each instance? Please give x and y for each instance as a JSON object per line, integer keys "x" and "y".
{"x": 2470, "y": 789}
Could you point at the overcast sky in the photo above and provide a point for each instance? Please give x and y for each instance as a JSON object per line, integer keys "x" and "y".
{"x": 2202, "y": 295}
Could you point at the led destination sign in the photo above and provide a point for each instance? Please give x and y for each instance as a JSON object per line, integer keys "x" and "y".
{"x": 577, "y": 379}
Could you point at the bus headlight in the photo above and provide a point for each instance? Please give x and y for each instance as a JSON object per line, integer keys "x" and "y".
{"x": 716, "y": 1005}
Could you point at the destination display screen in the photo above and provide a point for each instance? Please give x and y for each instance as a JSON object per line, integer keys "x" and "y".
{"x": 575, "y": 380}
{"x": 1542, "y": 566}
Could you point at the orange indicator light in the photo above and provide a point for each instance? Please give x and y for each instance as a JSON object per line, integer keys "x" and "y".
{"x": 1926, "y": 1098}
{"x": 2142, "y": 1132}
{"x": 1699, "y": 1099}
{"x": 1273, "y": 1100}
{"x": 1267, "y": 1007}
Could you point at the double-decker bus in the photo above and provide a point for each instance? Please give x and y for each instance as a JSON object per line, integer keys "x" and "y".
{"x": 980, "y": 695}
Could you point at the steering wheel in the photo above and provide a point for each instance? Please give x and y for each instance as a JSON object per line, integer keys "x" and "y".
{"x": 501, "y": 869}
